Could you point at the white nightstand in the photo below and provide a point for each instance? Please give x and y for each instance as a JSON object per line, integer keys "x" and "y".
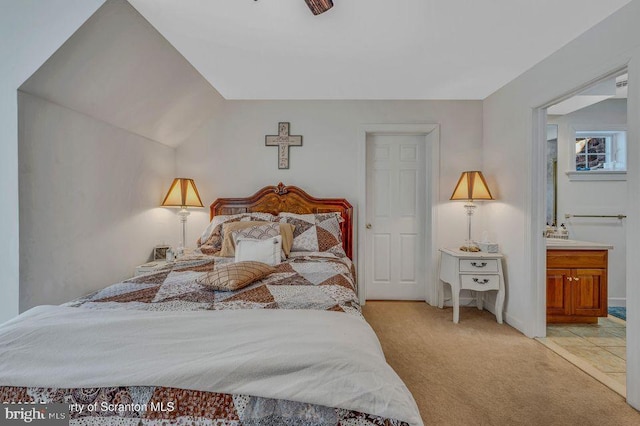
{"x": 149, "y": 267}
{"x": 471, "y": 271}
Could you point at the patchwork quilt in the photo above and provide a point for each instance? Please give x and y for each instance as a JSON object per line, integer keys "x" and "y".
{"x": 319, "y": 281}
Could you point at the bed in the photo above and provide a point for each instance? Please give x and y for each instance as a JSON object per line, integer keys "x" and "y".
{"x": 291, "y": 348}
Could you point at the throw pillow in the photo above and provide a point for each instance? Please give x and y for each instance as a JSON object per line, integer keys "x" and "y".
{"x": 316, "y": 232}
{"x": 212, "y": 235}
{"x": 256, "y": 230}
{"x": 234, "y": 276}
{"x": 265, "y": 251}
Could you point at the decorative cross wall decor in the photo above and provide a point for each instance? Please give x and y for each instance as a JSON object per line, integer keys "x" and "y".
{"x": 283, "y": 141}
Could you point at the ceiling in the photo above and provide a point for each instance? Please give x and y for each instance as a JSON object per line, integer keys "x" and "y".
{"x": 145, "y": 87}
{"x": 611, "y": 88}
{"x": 369, "y": 49}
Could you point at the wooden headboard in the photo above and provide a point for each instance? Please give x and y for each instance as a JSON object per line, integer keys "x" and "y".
{"x": 281, "y": 198}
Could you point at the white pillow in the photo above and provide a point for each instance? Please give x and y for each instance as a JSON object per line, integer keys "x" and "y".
{"x": 265, "y": 251}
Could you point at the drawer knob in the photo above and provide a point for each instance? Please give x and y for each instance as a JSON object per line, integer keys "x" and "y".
{"x": 479, "y": 265}
{"x": 481, "y": 281}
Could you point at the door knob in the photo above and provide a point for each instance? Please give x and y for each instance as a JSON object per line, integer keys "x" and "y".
{"x": 368, "y": 226}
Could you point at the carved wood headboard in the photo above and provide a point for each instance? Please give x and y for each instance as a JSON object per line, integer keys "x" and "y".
{"x": 281, "y": 198}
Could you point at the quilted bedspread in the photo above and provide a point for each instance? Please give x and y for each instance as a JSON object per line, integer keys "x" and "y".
{"x": 318, "y": 281}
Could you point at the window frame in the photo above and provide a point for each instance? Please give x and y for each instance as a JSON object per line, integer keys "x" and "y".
{"x": 611, "y": 131}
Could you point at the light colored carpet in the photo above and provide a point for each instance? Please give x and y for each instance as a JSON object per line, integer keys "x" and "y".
{"x": 479, "y": 372}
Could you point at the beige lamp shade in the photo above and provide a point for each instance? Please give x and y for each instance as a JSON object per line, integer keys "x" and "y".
{"x": 471, "y": 186}
{"x": 182, "y": 193}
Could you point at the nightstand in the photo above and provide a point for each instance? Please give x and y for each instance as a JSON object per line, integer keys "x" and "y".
{"x": 155, "y": 266}
{"x": 479, "y": 272}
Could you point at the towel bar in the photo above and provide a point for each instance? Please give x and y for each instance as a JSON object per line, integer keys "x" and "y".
{"x": 616, "y": 216}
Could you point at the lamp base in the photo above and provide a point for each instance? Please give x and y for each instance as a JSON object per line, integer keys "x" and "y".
{"x": 183, "y": 214}
{"x": 469, "y": 246}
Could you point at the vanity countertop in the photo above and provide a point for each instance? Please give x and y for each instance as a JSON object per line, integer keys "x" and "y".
{"x": 560, "y": 244}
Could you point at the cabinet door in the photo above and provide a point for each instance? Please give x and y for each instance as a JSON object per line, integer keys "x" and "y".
{"x": 558, "y": 292}
{"x": 589, "y": 292}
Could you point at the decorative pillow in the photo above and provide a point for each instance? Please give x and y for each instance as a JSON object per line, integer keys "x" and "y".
{"x": 212, "y": 235}
{"x": 234, "y": 276}
{"x": 266, "y": 251}
{"x": 316, "y": 232}
{"x": 256, "y": 230}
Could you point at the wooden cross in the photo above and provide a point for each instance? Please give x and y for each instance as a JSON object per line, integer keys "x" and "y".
{"x": 283, "y": 141}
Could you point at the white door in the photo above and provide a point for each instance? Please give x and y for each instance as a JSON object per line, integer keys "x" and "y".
{"x": 395, "y": 260}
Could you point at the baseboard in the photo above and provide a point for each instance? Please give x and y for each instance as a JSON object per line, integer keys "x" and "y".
{"x": 618, "y": 302}
{"x": 514, "y": 322}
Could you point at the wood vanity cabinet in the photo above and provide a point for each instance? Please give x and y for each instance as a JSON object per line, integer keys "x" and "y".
{"x": 576, "y": 285}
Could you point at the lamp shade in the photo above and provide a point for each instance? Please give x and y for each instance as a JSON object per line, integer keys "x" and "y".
{"x": 471, "y": 186}
{"x": 182, "y": 193}
{"x": 319, "y": 6}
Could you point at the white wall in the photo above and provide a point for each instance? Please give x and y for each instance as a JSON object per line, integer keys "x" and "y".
{"x": 508, "y": 147}
{"x": 595, "y": 197}
{"x": 89, "y": 197}
{"x": 31, "y": 31}
{"x": 227, "y": 157}
{"x": 109, "y": 94}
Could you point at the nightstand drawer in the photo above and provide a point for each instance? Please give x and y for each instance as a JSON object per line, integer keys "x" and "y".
{"x": 478, "y": 265}
{"x": 480, "y": 282}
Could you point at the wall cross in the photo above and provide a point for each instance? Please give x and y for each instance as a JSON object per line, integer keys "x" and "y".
{"x": 283, "y": 141}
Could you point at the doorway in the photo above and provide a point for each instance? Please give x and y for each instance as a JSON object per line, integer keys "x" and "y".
{"x": 395, "y": 228}
{"x": 398, "y": 186}
{"x": 585, "y": 214}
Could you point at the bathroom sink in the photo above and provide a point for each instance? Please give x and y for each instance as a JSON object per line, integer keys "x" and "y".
{"x": 560, "y": 241}
{"x": 577, "y": 245}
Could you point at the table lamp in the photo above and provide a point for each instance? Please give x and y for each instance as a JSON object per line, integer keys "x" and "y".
{"x": 183, "y": 193}
{"x": 471, "y": 186}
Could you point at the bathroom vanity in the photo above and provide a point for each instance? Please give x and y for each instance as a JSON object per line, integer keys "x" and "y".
{"x": 576, "y": 281}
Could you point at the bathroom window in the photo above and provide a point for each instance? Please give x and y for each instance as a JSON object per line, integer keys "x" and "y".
{"x": 599, "y": 155}
{"x": 601, "y": 151}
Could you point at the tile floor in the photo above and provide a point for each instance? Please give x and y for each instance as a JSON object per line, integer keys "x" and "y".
{"x": 600, "y": 347}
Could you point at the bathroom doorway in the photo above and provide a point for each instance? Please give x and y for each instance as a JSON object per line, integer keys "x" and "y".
{"x": 586, "y": 231}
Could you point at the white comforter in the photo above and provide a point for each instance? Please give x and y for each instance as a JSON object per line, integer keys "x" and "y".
{"x": 318, "y": 357}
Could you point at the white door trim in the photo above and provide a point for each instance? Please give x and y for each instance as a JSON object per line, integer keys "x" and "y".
{"x": 536, "y": 203}
{"x": 535, "y": 225}
{"x": 431, "y": 133}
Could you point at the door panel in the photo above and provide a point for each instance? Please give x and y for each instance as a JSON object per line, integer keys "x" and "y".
{"x": 408, "y": 246}
{"x": 590, "y": 292}
{"x": 381, "y": 250}
{"x": 408, "y": 191}
{"x": 396, "y": 202}
{"x": 558, "y": 292}
{"x": 382, "y": 197}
